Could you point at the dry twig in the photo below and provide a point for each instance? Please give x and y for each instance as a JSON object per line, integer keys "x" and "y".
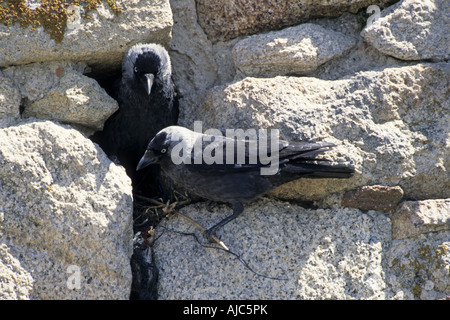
{"x": 170, "y": 208}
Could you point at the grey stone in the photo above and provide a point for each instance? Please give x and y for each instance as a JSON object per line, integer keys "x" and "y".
{"x": 59, "y": 91}
{"x": 224, "y": 20}
{"x": 201, "y": 64}
{"x": 296, "y": 50}
{"x": 101, "y": 41}
{"x": 417, "y": 217}
{"x": 283, "y": 251}
{"x": 412, "y": 30}
{"x": 191, "y": 52}
{"x": 362, "y": 57}
{"x": 15, "y": 281}
{"x": 297, "y": 253}
{"x": 65, "y": 211}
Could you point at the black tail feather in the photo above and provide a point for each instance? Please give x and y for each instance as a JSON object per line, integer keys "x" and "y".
{"x": 293, "y": 171}
{"x": 304, "y": 149}
{"x": 313, "y": 170}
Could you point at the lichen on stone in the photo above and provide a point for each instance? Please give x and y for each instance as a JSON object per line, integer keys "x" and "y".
{"x": 51, "y": 15}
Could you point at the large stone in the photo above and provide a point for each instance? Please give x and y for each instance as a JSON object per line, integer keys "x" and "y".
{"x": 291, "y": 252}
{"x": 59, "y": 91}
{"x": 283, "y": 251}
{"x": 391, "y": 124}
{"x": 417, "y": 217}
{"x": 224, "y": 20}
{"x": 412, "y": 30}
{"x": 296, "y": 50}
{"x": 65, "y": 216}
{"x": 100, "y": 40}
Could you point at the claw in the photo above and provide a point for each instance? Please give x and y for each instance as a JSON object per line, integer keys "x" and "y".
{"x": 169, "y": 207}
{"x": 210, "y": 234}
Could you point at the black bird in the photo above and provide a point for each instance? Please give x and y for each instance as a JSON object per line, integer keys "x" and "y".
{"x": 239, "y": 182}
{"x": 147, "y": 103}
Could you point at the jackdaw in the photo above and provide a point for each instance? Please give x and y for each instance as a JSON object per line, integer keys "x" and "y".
{"x": 147, "y": 103}
{"x": 186, "y": 157}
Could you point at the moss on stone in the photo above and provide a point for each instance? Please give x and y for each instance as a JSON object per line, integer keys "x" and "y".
{"x": 50, "y": 14}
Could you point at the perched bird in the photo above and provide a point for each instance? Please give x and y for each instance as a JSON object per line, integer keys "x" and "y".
{"x": 183, "y": 155}
{"x": 147, "y": 103}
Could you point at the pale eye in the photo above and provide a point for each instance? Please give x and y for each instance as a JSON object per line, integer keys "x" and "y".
{"x": 163, "y": 150}
{"x": 135, "y": 69}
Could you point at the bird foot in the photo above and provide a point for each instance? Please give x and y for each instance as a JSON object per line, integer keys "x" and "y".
{"x": 210, "y": 234}
{"x": 211, "y": 205}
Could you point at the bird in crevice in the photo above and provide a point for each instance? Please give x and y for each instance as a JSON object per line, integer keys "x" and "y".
{"x": 228, "y": 180}
{"x": 148, "y": 102}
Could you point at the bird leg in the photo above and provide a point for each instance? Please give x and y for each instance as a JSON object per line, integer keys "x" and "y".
{"x": 238, "y": 208}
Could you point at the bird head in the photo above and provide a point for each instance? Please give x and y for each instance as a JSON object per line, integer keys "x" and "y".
{"x": 147, "y": 64}
{"x": 161, "y": 146}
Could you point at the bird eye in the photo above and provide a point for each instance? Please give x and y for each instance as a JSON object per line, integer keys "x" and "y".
{"x": 163, "y": 150}
{"x": 135, "y": 69}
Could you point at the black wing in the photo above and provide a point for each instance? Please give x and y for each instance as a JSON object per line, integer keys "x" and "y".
{"x": 225, "y": 156}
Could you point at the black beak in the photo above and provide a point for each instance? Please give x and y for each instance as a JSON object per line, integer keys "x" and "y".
{"x": 148, "y": 159}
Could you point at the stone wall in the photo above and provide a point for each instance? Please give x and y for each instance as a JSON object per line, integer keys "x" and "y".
{"x": 379, "y": 89}
{"x": 376, "y": 84}
{"x": 66, "y": 210}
